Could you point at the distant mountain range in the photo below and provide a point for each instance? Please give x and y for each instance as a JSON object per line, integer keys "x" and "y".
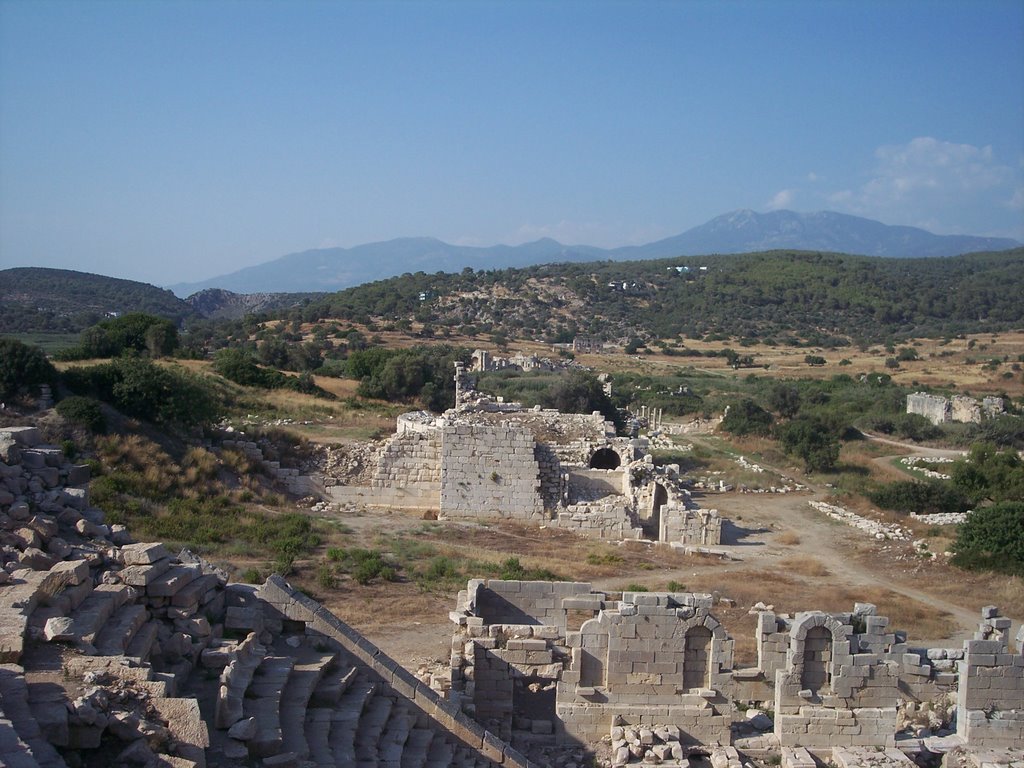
{"x": 332, "y": 269}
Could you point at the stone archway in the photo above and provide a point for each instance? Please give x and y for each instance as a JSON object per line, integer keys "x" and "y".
{"x": 697, "y": 651}
{"x": 605, "y": 458}
{"x": 817, "y": 659}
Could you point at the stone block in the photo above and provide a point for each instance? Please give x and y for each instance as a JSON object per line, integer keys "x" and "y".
{"x": 143, "y": 553}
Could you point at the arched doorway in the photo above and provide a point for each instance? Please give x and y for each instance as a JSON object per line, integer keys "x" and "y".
{"x": 605, "y": 458}
{"x": 652, "y": 523}
{"x": 695, "y": 658}
{"x": 817, "y": 659}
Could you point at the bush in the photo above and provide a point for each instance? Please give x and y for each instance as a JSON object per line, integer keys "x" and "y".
{"x": 747, "y": 418}
{"x": 134, "y": 332}
{"x": 83, "y": 411}
{"x": 988, "y": 473}
{"x": 23, "y": 368}
{"x": 813, "y": 441}
{"x": 141, "y": 388}
{"x": 992, "y": 539}
{"x": 922, "y": 498}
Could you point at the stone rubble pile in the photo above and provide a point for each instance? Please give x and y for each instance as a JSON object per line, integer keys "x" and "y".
{"x": 942, "y": 518}
{"x": 875, "y": 528}
{"x": 914, "y": 463}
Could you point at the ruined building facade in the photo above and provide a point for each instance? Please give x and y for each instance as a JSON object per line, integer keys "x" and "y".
{"x": 563, "y": 660}
{"x": 485, "y": 459}
{"x": 959, "y": 408}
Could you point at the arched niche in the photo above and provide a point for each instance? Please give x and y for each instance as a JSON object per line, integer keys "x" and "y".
{"x": 817, "y": 659}
{"x": 605, "y": 458}
{"x": 697, "y": 651}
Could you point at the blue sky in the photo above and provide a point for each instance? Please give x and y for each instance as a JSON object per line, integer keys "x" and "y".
{"x": 175, "y": 141}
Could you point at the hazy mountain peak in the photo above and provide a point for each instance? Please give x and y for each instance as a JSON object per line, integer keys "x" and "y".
{"x": 739, "y": 231}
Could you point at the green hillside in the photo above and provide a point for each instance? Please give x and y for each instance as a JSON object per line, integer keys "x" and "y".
{"x": 60, "y": 301}
{"x": 778, "y": 294}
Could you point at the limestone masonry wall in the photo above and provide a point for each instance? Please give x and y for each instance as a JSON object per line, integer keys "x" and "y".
{"x": 489, "y": 471}
{"x": 939, "y": 410}
{"x": 662, "y": 662}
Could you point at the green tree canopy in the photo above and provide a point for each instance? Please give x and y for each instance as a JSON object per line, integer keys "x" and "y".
{"x": 992, "y": 539}
{"x": 23, "y": 368}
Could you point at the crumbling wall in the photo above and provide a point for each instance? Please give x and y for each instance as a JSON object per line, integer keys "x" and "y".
{"x": 611, "y": 518}
{"x": 959, "y": 408}
{"x": 498, "y": 601}
{"x": 690, "y": 527}
{"x": 990, "y": 697}
{"x": 964, "y": 409}
{"x": 830, "y": 695}
{"x": 656, "y": 659}
{"x": 933, "y": 407}
{"x": 489, "y": 471}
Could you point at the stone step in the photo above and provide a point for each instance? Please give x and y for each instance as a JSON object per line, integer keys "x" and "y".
{"x": 394, "y": 736}
{"x": 318, "y": 735}
{"x": 263, "y": 701}
{"x": 21, "y": 596}
{"x": 47, "y": 698}
{"x": 440, "y": 754}
{"x": 417, "y": 747}
{"x": 142, "y": 642}
{"x": 15, "y": 707}
{"x": 345, "y": 720}
{"x": 371, "y": 725}
{"x": 120, "y": 630}
{"x": 309, "y": 668}
{"x": 88, "y": 619}
{"x": 333, "y": 684}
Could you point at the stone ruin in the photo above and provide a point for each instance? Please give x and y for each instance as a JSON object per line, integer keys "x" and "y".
{"x": 959, "y": 408}
{"x": 653, "y": 675}
{"x": 483, "y": 360}
{"x": 116, "y": 653}
{"x": 486, "y": 459}
{"x": 119, "y": 653}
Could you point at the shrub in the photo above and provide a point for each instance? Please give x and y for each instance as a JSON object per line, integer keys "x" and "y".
{"x": 992, "y": 539}
{"x": 813, "y": 441}
{"x": 134, "y": 332}
{"x": 141, "y": 388}
{"x": 23, "y": 368}
{"x": 987, "y": 473}
{"x": 83, "y": 411}
{"x": 922, "y": 498}
{"x": 747, "y": 418}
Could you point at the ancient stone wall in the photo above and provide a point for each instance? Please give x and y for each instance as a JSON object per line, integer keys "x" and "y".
{"x": 990, "y": 697}
{"x": 647, "y": 662}
{"x": 410, "y": 459}
{"x": 964, "y": 409}
{"x": 489, "y": 471}
{"x": 656, "y": 659}
{"x": 959, "y": 408}
{"x": 611, "y": 518}
{"x": 933, "y": 407}
{"x": 690, "y": 527}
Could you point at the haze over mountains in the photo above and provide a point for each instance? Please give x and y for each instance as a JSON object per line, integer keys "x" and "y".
{"x": 332, "y": 269}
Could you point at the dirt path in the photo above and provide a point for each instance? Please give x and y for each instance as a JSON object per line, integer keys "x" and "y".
{"x": 917, "y": 450}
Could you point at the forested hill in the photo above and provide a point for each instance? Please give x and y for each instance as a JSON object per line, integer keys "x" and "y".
{"x": 775, "y": 293}
{"x": 63, "y": 301}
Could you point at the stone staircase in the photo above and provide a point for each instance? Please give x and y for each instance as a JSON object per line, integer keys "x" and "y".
{"x": 305, "y": 699}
